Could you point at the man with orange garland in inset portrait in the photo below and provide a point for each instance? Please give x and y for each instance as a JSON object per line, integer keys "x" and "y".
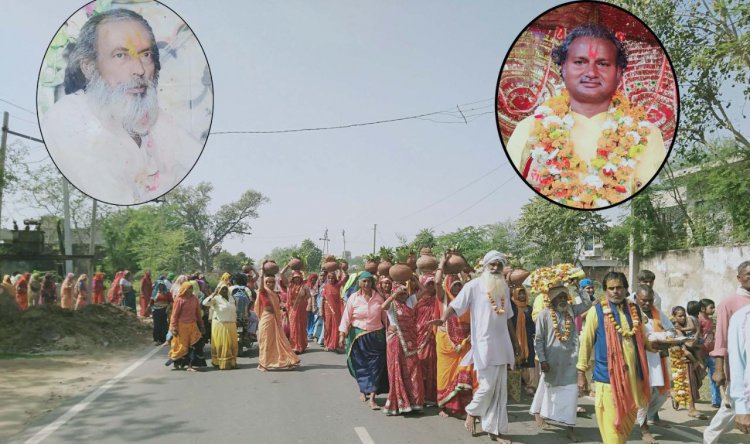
{"x": 588, "y": 146}
{"x": 108, "y": 135}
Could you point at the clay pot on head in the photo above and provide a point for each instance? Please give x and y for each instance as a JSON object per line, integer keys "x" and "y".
{"x": 425, "y": 251}
{"x": 427, "y": 263}
{"x": 411, "y": 261}
{"x": 295, "y": 264}
{"x": 246, "y": 269}
{"x": 400, "y": 273}
{"x": 330, "y": 258}
{"x": 371, "y": 266}
{"x": 331, "y": 266}
{"x": 383, "y": 267}
{"x": 344, "y": 265}
{"x": 516, "y": 276}
{"x": 270, "y": 268}
{"x": 454, "y": 264}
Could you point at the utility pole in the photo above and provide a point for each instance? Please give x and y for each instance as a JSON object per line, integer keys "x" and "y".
{"x": 325, "y": 240}
{"x": 343, "y": 234}
{"x": 92, "y": 245}
{"x": 68, "y": 241}
{"x": 374, "y": 236}
{"x": 3, "y": 141}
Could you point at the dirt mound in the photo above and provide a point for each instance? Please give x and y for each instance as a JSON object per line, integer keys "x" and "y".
{"x": 48, "y": 328}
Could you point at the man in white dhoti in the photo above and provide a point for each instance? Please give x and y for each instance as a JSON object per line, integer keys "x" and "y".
{"x": 654, "y": 321}
{"x": 108, "y": 135}
{"x": 556, "y": 347}
{"x": 493, "y": 341}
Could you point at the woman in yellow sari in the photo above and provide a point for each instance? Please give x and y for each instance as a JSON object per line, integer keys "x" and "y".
{"x": 224, "y": 341}
{"x": 274, "y": 350}
{"x": 455, "y": 372}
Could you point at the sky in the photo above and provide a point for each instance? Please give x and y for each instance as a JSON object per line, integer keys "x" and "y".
{"x": 298, "y": 64}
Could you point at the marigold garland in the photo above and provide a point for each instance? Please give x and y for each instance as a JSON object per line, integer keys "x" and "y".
{"x": 680, "y": 378}
{"x": 498, "y": 311}
{"x": 609, "y": 177}
{"x": 633, "y": 316}
{"x": 563, "y": 337}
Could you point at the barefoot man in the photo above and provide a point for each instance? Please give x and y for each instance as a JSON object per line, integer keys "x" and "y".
{"x": 494, "y": 344}
{"x": 615, "y": 336}
{"x": 556, "y": 346}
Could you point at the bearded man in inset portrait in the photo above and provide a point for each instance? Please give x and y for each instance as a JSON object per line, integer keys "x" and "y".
{"x": 588, "y": 146}
{"x": 108, "y": 135}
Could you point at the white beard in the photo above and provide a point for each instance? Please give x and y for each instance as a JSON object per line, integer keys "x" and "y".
{"x": 495, "y": 283}
{"x": 136, "y": 113}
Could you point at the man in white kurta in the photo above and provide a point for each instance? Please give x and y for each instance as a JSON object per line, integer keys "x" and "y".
{"x": 644, "y": 297}
{"x": 493, "y": 342}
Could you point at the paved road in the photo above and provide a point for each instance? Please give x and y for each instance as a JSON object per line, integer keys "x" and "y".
{"x": 317, "y": 403}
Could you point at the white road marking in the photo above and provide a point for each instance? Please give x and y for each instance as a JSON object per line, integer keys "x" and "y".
{"x": 73, "y": 411}
{"x": 363, "y": 435}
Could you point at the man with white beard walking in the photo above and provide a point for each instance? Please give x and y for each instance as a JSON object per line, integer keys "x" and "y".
{"x": 493, "y": 341}
{"x": 107, "y": 135}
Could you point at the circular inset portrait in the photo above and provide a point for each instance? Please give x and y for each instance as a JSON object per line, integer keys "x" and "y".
{"x": 125, "y": 100}
{"x": 587, "y": 105}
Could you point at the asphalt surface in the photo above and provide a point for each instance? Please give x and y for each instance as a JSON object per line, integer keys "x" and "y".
{"x": 317, "y": 403}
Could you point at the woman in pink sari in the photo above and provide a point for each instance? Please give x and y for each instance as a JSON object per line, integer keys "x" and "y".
{"x": 427, "y": 350}
{"x": 66, "y": 292}
{"x": 274, "y": 350}
{"x": 332, "y": 310}
{"x": 406, "y": 387}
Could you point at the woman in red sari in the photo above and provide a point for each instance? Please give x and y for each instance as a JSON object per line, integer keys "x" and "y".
{"x": 274, "y": 350}
{"x": 22, "y": 291}
{"x": 406, "y": 387}
{"x": 425, "y": 309}
{"x": 147, "y": 287}
{"x": 97, "y": 288}
{"x": 114, "y": 295}
{"x": 454, "y": 380}
{"x": 332, "y": 310}
{"x": 297, "y": 297}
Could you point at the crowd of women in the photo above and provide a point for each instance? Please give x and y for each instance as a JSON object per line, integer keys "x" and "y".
{"x": 401, "y": 338}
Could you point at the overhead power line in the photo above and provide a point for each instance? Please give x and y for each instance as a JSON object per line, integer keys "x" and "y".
{"x": 18, "y": 106}
{"x": 455, "y": 113}
{"x": 475, "y": 203}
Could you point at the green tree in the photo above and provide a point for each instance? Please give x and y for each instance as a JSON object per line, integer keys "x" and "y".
{"x": 709, "y": 46}
{"x": 282, "y": 255}
{"x": 206, "y": 231}
{"x": 557, "y": 234}
{"x": 311, "y": 254}
{"x": 228, "y": 262}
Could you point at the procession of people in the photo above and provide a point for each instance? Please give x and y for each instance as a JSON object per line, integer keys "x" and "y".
{"x": 446, "y": 340}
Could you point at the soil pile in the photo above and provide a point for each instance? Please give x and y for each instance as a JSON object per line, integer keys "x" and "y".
{"x": 48, "y": 328}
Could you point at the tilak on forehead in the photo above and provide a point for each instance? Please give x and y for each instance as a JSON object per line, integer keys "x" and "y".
{"x": 592, "y": 51}
{"x": 135, "y": 41}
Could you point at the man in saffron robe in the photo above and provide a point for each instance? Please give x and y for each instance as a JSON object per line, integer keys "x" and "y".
{"x": 493, "y": 341}
{"x": 656, "y": 321}
{"x": 592, "y": 61}
{"x": 614, "y": 334}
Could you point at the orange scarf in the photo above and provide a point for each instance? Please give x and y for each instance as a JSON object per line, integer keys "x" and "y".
{"x": 618, "y": 377}
{"x": 656, "y": 317}
{"x": 523, "y": 343}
